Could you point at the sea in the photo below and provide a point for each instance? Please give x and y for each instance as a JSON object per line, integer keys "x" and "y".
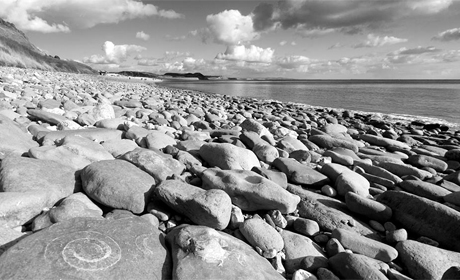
{"x": 430, "y": 101}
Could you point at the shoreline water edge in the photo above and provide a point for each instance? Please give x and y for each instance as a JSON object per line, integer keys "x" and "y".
{"x": 109, "y": 179}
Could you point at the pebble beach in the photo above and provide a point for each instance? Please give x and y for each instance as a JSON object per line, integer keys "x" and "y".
{"x": 107, "y": 179}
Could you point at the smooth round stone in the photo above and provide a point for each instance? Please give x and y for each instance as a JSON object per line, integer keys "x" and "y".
{"x": 118, "y": 184}
{"x": 306, "y": 227}
{"x": 326, "y": 274}
{"x": 396, "y": 236}
{"x": 333, "y": 247}
{"x": 328, "y": 191}
{"x": 377, "y": 226}
{"x": 313, "y": 263}
{"x": 228, "y": 156}
{"x": 301, "y": 274}
{"x": 260, "y": 234}
{"x": 350, "y": 181}
{"x": 367, "y": 207}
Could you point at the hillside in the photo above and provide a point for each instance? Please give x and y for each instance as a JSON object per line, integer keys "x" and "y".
{"x": 17, "y": 51}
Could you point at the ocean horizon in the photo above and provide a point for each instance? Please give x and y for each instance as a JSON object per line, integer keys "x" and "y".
{"x": 406, "y": 99}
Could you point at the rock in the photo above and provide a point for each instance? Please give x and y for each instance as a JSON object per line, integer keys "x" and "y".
{"x": 424, "y": 189}
{"x": 158, "y": 164}
{"x": 118, "y": 184}
{"x": 13, "y": 139}
{"x": 292, "y": 142}
{"x": 427, "y": 161}
{"x": 265, "y": 152}
{"x": 19, "y": 208}
{"x": 329, "y": 218}
{"x": 228, "y": 156}
{"x": 158, "y": 140}
{"x": 296, "y": 248}
{"x": 119, "y": 147}
{"x": 260, "y": 234}
{"x": 62, "y": 154}
{"x": 278, "y": 177}
{"x": 452, "y": 273}
{"x": 199, "y": 252}
{"x": 378, "y": 171}
{"x": 404, "y": 170}
{"x": 71, "y": 208}
{"x": 350, "y": 181}
{"x": 384, "y": 142}
{"x": 354, "y": 266}
{"x": 250, "y": 191}
{"x": 365, "y": 246}
{"x": 453, "y": 154}
{"x": 210, "y": 208}
{"x": 424, "y": 217}
{"x": 328, "y": 142}
{"x": 453, "y": 177}
{"x": 333, "y": 170}
{"x": 306, "y": 226}
{"x": 9, "y": 237}
{"x": 102, "y": 111}
{"x": 95, "y": 134}
{"x": 369, "y": 208}
{"x": 326, "y": 274}
{"x": 20, "y": 174}
{"x": 395, "y": 236}
{"x": 299, "y": 173}
{"x": 338, "y": 158}
{"x": 88, "y": 248}
{"x": 424, "y": 261}
{"x": 301, "y": 274}
{"x": 453, "y": 198}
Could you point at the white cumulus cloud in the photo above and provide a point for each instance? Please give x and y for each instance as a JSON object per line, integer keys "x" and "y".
{"x": 142, "y": 35}
{"x": 61, "y": 15}
{"x": 448, "y": 35}
{"x": 248, "y": 54}
{"x": 229, "y": 27}
{"x": 114, "y": 54}
{"x": 377, "y": 41}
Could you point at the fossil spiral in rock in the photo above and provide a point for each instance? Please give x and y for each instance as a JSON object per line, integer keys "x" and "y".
{"x": 84, "y": 250}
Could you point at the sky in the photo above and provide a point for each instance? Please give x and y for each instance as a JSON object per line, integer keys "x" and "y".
{"x": 301, "y": 39}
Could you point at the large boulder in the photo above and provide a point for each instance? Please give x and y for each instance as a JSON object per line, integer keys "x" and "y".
{"x": 19, "y": 208}
{"x": 118, "y": 184}
{"x": 89, "y": 248}
{"x": 210, "y": 208}
{"x": 250, "y": 191}
{"x": 199, "y": 252}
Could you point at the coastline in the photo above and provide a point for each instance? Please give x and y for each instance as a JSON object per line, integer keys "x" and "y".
{"x": 392, "y": 117}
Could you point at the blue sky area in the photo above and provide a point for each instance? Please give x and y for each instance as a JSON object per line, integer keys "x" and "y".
{"x": 327, "y": 39}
